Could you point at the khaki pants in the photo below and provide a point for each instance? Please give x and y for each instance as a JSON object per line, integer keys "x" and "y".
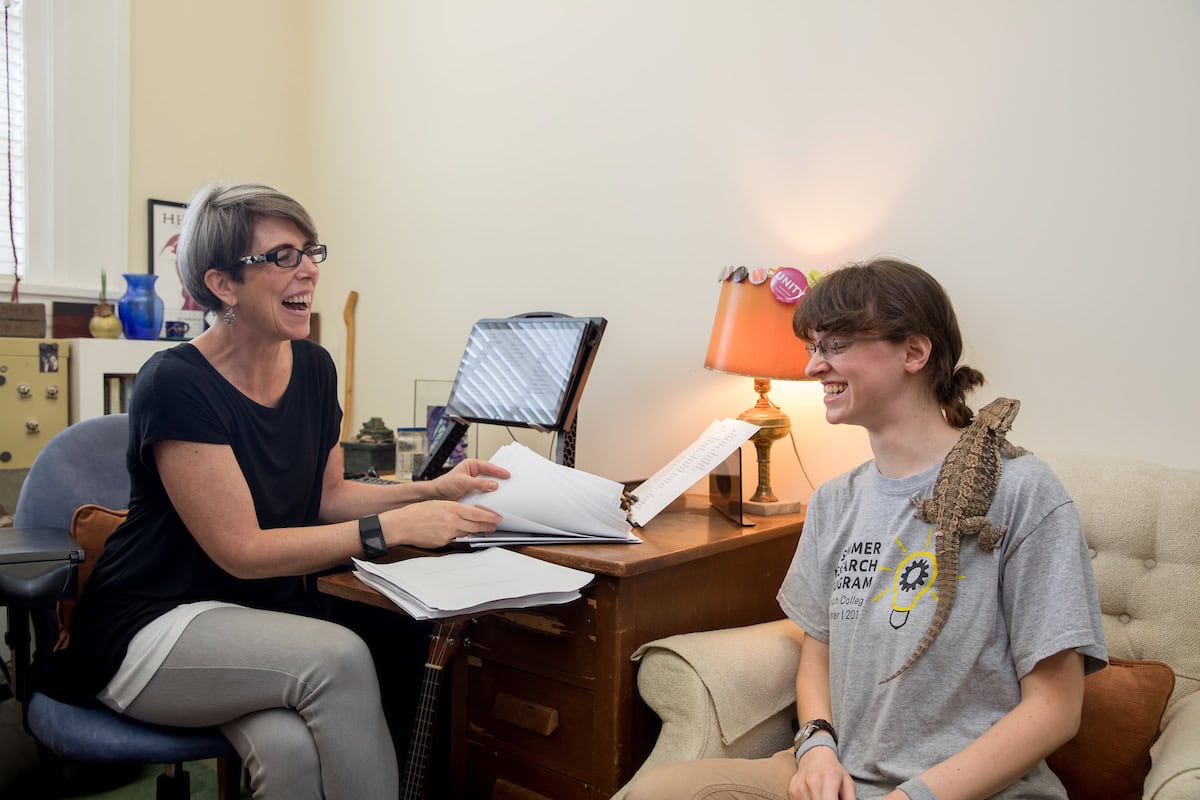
{"x": 718, "y": 779}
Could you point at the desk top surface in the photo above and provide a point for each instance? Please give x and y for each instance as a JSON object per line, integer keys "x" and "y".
{"x": 687, "y": 529}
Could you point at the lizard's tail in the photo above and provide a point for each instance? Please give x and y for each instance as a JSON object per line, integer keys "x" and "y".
{"x": 947, "y": 586}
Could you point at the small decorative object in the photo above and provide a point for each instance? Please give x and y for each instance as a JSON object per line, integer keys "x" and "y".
{"x": 104, "y": 323}
{"x": 23, "y": 319}
{"x": 17, "y": 318}
{"x": 374, "y": 446}
{"x": 410, "y": 451}
{"x": 140, "y": 308}
{"x": 375, "y": 430}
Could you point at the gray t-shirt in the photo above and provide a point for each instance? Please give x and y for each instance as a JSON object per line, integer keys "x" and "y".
{"x": 863, "y": 581}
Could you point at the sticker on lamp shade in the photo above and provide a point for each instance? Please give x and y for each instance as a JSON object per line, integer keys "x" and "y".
{"x": 724, "y": 275}
{"x": 740, "y": 274}
{"x": 788, "y": 285}
{"x": 758, "y": 275}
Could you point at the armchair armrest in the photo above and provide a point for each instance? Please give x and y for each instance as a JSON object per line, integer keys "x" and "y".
{"x": 1175, "y": 755}
{"x": 721, "y": 694}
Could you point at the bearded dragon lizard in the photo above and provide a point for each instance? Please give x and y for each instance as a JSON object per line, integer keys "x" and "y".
{"x": 962, "y": 495}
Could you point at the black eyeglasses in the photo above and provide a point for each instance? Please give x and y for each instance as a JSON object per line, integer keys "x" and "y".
{"x": 288, "y": 257}
{"x": 833, "y": 347}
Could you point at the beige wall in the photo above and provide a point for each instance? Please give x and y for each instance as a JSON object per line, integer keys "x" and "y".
{"x": 476, "y": 159}
{"x": 219, "y": 90}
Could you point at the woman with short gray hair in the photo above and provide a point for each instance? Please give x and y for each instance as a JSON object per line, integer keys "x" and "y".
{"x": 196, "y": 613}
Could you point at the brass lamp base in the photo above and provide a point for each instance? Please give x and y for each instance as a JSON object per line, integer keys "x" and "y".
{"x": 771, "y": 509}
{"x": 772, "y": 424}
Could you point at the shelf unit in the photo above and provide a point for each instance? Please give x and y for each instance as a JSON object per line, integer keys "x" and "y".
{"x": 102, "y": 373}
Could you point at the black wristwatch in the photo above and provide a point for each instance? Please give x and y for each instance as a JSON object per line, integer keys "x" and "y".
{"x": 371, "y": 533}
{"x": 809, "y": 728}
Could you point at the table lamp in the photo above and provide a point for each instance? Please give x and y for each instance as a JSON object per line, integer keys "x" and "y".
{"x": 752, "y": 335}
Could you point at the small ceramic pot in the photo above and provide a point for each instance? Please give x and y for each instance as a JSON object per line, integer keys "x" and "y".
{"x": 104, "y": 323}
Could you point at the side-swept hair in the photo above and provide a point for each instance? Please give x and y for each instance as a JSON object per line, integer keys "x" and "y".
{"x": 218, "y": 229}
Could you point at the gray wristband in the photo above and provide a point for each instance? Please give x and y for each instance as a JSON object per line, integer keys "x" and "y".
{"x": 816, "y": 740}
{"x": 916, "y": 789}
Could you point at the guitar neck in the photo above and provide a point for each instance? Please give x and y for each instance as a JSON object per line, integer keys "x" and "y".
{"x": 419, "y": 744}
{"x": 444, "y": 642}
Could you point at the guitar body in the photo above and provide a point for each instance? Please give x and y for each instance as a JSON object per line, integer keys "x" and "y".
{"x": 445, "y": 641}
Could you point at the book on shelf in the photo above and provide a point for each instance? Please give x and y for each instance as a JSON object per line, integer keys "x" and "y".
{"x": 547, "y": 503}
{"x": 461, "y": 584}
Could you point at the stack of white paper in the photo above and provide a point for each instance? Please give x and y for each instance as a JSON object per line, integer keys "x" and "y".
{"x": 547, "y": 503}
{"x": 461, "y": 584}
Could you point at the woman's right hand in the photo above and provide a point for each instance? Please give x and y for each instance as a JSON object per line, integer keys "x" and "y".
{"x": 435, "y": 523}
{"x": 820, "y": 776}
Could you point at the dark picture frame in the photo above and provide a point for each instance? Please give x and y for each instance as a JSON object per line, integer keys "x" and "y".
{"x": 165, "y": 219}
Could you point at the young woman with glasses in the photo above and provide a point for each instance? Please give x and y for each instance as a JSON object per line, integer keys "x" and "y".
{"x": 1001, "y": 686}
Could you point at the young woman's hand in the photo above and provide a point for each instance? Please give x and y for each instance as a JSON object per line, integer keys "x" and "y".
{"x": 820, "y": 776}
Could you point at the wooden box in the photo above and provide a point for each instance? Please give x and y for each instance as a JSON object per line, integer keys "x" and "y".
{"x": 23, "y": 320}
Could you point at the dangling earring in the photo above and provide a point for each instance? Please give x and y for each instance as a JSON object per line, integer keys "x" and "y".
{"x": 229, "y": 316}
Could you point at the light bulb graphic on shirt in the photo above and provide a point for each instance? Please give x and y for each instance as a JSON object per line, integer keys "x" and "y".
{"x": 915, "y": 575}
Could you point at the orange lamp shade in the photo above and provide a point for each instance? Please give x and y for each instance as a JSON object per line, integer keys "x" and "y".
{"x": 752, "y": 332}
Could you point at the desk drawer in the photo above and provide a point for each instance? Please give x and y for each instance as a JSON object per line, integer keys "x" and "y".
{"x": 559, "y": 640}
{"x": 530, "y": 716}
{"x": 495, "y": 775}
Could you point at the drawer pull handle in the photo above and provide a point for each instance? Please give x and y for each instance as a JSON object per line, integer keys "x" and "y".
{"x": 524, "y": 714}
{"x": 507, "y": 790}
{"x": 537, "y": 623}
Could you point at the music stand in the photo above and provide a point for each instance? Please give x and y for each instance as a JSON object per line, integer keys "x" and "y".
{"x": 526, "y": 371}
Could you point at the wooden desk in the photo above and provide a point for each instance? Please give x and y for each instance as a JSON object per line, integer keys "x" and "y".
{"x": 544, "y": 701}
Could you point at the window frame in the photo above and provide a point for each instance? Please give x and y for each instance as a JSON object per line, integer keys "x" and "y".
{"x": 77, "y": 146}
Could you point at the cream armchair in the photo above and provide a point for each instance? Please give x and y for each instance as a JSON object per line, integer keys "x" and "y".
{"x": 731, "y": 693}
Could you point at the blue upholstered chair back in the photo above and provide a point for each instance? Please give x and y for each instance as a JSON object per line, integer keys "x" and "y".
{"x": 83, "y": 464}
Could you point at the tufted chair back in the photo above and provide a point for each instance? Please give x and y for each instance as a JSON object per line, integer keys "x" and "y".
{"x": 1142, "y": 525}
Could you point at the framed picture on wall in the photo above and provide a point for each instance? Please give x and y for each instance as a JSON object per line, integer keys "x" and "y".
{"x": 183, "y": 317}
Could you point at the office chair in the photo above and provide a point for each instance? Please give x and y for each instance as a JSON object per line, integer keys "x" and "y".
{"x": 85, "y": 463}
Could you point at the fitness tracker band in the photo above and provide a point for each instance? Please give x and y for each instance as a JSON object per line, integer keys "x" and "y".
{"x": 371, "y": 533}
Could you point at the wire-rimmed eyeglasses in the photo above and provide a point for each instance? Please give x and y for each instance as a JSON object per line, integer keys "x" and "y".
{"x": 834, "y": 346}
{"x": 288, "y": 257}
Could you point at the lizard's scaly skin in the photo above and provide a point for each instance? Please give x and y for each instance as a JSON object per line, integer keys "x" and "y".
{"x": 962, "y": 495}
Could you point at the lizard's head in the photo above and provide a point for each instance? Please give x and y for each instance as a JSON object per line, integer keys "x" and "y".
{"x": 1000, "y": 413}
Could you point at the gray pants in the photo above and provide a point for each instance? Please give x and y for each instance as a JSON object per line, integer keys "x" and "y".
{"x": 297, "y": 697}
{"x": 718, "y": 779}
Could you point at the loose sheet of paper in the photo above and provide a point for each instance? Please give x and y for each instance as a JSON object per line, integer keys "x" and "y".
{"x": 550, "y": 502}
{"x": 719, "y": 439}
{"x": 465, "y": 583}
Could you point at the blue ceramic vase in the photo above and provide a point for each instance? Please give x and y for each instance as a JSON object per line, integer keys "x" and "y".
{"x": 140, "y": 308}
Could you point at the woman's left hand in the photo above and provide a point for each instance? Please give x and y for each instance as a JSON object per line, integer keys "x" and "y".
{"x": 469, "y": 475}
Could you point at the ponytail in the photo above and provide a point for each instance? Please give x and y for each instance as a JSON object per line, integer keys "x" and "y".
{"x": 952, "y": 395}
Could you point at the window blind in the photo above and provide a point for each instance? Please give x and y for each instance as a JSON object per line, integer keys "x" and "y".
{"x": 12, "y": 144}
